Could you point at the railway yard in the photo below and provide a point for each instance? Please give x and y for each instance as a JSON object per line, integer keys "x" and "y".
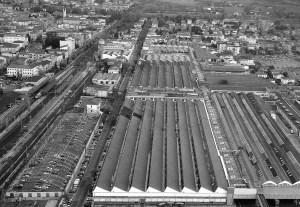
{"x": 53, "y": 166}
{"x": 256, "y": 135}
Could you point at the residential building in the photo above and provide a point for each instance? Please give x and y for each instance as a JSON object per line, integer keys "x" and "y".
{"x": 67, "y": 45}
{"x": 12, "y": 37}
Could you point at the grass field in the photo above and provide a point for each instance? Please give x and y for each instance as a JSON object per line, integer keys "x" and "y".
{"x": 236, "y": 82}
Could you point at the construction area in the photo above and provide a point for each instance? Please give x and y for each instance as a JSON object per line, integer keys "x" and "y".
{"x": 162, "y": 150}
{"x": 50, "y": 171}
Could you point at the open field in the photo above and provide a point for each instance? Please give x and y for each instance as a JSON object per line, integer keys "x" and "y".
{"x": 236, "y": 82}
{"x": 185, "y": 2}
{"x": 286, "y": 10}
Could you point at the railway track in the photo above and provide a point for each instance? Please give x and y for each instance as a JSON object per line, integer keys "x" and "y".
{"x": 13, "y": 161}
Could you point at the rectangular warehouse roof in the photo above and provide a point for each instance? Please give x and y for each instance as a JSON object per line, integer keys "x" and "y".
{"x": 164, "y": 75}
{"x": 160, "y": 149}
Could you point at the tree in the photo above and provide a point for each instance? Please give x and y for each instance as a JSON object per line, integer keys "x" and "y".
{"x": 76, "y": 10}
{"x": 52, "y": 40}
{"x": 223, "y": 82}
{"x": 269, "y": 73}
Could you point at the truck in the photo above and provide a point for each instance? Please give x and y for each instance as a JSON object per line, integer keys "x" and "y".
{"x": 76, "y": 183}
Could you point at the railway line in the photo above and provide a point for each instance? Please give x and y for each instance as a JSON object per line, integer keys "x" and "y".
{"x": 246, "y": 170}
{"x": 254, "y": 135}
{"x": 12, "y": 161}
{"x": 277, "y": 143}
{"x": 258, "y": 135}
{"x": 249, "y": 159}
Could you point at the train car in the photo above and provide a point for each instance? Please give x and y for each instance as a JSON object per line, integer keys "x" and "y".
{"x": 45, "y": 90}
{"x": 252, "y": 158}
{"x": 221, "y": 101}
{"x": 8, "y": 116}
{"x": 40, "y": 84}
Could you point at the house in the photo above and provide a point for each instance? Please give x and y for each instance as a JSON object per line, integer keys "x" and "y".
{"x": 235, "y": 48}
{"x": 261, "y": 74}
{"x": 229, "y": 46}
{"x": 287, "y": 80}
{"x": 92, "y": 105}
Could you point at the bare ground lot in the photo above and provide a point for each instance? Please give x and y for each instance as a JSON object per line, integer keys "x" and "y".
{"x": 236, "y": 82}
{"x": 185, "y": 2}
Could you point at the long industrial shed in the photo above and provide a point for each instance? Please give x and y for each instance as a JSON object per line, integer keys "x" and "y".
{"x": 160, "y": 151}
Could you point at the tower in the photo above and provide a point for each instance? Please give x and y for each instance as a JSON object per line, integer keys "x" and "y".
{"x": 64, "y": 12}
{"x": 101, "y": 44}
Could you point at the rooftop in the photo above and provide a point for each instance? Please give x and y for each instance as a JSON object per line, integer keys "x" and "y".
{"x": 138, "y": 145}
{"x": 106, "y": 76}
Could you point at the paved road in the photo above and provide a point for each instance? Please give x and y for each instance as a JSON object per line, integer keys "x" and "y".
{"x": 87, "y": 180}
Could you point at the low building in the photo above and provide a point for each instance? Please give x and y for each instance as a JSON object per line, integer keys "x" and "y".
{"x": 9, "y": 48}
{"x": 12, "y": 37}
{"x": 22, "y": 70}
{"x": 91, "y": 104}
{"x": 262, "y": 74}
{"x": 108, "y": 79}
{"x": 28, "y": 70}
{"x": 97, "y": 91}
{"x": 230, "y": 68}
{"x": 67, "y": 45}
{"x": 287, "y": 80}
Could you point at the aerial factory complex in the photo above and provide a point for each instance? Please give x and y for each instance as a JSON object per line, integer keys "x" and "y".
{"x": 129, "y": 103}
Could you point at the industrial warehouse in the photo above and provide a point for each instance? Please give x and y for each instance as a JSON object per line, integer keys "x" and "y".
{"x": 164, "y": 75}
{"x": 162, "y": 150}
{"x": 174, "y": 145}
